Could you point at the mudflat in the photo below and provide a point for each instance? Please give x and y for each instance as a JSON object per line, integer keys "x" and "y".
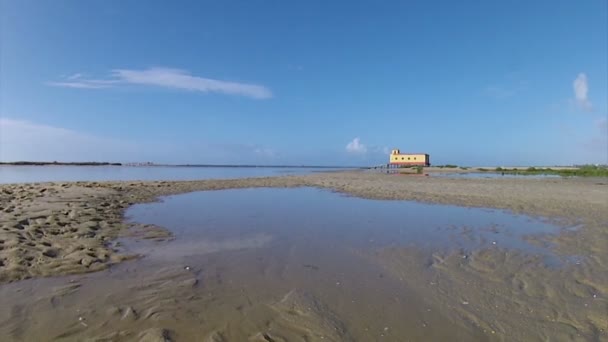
{"x": 53, "y": 229}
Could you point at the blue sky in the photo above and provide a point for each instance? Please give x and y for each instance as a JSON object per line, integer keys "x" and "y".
{"x": 312, "y": 82}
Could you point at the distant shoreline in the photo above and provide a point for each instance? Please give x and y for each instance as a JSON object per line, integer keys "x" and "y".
{"x": 33, "y": 163}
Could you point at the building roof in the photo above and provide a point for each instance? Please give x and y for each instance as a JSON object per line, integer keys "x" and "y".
{"x": 401, "y": 153}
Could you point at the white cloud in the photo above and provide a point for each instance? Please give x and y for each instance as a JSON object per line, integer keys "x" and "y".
{"x": 23, "y": 140}
{"x": 356, "y": 146}
{"x": 167, "y": 78}
{"x": 74, "y": 76}
{"x": 84, "y": 84}
{"x": 581, "y": 88}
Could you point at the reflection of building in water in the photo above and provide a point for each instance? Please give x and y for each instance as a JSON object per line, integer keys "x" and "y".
{"x": 409, "y": 159}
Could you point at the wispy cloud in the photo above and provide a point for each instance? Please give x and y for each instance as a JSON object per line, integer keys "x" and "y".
{"x": 79, "y": 83}
{"x": 74, "y": 76}
{"x": 581, "y": 88}
{"x": 166, "y": 78}
{"x": 355, "y": 146}
{"x": 26, "y": 140}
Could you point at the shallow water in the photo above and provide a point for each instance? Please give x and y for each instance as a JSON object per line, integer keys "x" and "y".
{"x": 291, "y": 216}
{"x": 30, "y": 174}
{"x": 265, "y": 264}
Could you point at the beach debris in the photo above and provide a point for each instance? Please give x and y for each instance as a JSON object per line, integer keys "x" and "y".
{"x": 81, "y": 320}
{"x": 493, "y": 242}
{"x": 465, "y": 303}
{"x": 187, "y": 268}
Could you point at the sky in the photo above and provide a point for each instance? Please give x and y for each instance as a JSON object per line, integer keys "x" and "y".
{"x": 305, "y": 82}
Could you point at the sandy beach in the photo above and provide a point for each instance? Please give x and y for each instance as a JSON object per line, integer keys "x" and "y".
{"x": 53, "y": 229}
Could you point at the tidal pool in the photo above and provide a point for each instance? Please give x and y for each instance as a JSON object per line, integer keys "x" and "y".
{"x": 317, "y": 218}
{"x": 272, "y": 265}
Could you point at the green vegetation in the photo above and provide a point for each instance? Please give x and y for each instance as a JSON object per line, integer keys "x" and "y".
{"x": 449, "y": 166}
{"x": 419, "y": 169}
{"x": 464, "y": 167}
{"x": 581, "y": 171}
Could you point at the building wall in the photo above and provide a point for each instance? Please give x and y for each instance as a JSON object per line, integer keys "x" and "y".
{"x": 409, "y": 159}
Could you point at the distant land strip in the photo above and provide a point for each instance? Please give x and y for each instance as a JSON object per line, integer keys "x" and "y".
{"x": 36, "y": 163}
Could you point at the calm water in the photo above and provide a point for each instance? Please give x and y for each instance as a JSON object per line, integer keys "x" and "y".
{"x": 318, "y": 217}
{"x": 28, "y": 174}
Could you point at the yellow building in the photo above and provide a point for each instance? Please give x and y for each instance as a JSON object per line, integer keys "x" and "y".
{"x": 409, "y": 159}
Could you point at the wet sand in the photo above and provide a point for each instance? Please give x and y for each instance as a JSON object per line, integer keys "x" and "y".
{"x": 52, "y": 229}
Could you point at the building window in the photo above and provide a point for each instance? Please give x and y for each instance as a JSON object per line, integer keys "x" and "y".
{"x": 402, "y": 158}
{"x": 408, "y": 158}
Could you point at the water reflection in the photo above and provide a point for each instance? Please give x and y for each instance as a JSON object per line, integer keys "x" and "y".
{"x": 321, "y": 218}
